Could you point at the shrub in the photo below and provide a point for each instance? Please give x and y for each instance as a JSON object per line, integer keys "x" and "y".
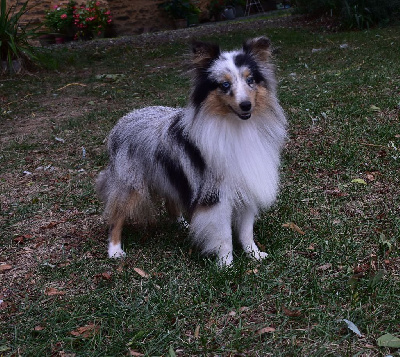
{"x": 179, "y": 9}
{"x": 91, "y": 20}
{"x": 317, "y": 7}
{"x": 14, "y": 39}
{"x": 61, "y": 18}
{"x": 366, "y": 13}
{"x": 353, "y": 13}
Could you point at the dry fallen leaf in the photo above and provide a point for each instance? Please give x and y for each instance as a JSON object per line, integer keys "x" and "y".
{"x": 293, "y": 227}
{"x": 142, "y": 273}
{"x": 361, "y": 268}
{"x": 86, "y": 331}
{"x": 252, "y": 271}
{"x": 7, "y": 305}
{"x": 22, "y": 238}
{"x": 197, "y": 332}
{"x": 65, "y": 354}
{"x": 121, "y": 266}
{"x": 106, "y": 276}
{"x": 53, "y": 292}
{"x": 370, "y": 176}
{"x": 291, "y": 313}
{"x": 50, "y": 225}
{"x": 352, "y": 327}
{"x": 39, "y": 328}
{"x": 134, "y": 353}
{"x": 325, "y": 267}
{"x": 265, "y": 330}
{"x": 5, "y": 267}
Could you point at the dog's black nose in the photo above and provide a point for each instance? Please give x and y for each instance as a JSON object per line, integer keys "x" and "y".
{"x": 245, "y": 106}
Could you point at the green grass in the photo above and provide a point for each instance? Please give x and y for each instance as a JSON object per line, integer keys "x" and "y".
{"x": 343, "y": 110}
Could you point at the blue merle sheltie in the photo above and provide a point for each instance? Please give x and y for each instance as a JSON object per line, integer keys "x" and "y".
{"x": 215, "y": 161}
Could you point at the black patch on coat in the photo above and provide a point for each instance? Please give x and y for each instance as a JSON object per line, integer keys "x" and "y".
{"x": 177, "y": 178}
{"x": 202, "y": 87}
{"x": 191, "y": 150}
{"x": 247, "y": 60}
{"x": 210, "y": 199}
{"x": 131, "y": 151}
{"x": 115, "y": 144}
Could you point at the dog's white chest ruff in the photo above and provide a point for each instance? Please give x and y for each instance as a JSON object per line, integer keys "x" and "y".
{"x": 244, "y": 156}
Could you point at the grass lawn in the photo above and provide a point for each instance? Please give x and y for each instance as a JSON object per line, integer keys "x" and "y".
{"x": 332, "y": 237}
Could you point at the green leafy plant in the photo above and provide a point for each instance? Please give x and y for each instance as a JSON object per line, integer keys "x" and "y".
{"x": 179, "y": 9}
{"x": 317, "y": 7}
{"x": 91, "y": 20}
{"x": 15, "y": 47}
{"x": 61, "y": 18}
{"x": 363, "y": 14}
{"x": 352, "y": 14}
{"x": 215, "y": 8}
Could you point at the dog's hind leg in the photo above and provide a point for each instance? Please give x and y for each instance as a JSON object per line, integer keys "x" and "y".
{"x": 244, "y": 224}
{"x": 132, "y": 205}
{"x": 114, "y": 236}
{"x": 175, "y": 213}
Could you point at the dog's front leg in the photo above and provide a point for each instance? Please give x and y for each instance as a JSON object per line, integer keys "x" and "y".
{"x": 211, "y": 229}
{"x": 244, "y": 225}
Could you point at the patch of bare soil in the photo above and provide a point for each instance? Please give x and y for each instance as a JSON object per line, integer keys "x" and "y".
{"x": 52, "y": 108}
{"x": 53, "y": 232}
{"x": 39, "y": 188}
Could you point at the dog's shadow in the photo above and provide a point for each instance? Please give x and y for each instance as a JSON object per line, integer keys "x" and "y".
{"x": 166, "y": 238}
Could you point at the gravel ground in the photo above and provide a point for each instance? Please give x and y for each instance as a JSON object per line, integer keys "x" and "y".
{"x": 185, "y": 34}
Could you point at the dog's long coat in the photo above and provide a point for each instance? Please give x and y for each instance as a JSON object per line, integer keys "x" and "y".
{"x": 216, "y": 160}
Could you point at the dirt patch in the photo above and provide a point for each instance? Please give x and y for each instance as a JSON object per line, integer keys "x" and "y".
{"x": 49, "y": 110}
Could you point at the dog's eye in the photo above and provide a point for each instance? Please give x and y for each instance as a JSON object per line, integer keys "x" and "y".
{"x": 250, "y": 80}
{"x": 225, "y": 86}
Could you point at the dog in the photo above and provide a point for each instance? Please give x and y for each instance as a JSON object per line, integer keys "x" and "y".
{"x": 216, "y": 161}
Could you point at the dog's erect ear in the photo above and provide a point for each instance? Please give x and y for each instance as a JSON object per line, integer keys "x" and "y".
{"x": 260, "y": 47}
{"x": 204, "y": 54}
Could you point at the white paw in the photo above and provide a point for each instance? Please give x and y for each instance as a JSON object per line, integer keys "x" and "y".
{"x": 254, "y": 253}
{"x": 182, "y": 221}
{"x": 225, "y": 260}
{"x": 115, "y": 251}
{"x": 259, "y": 255}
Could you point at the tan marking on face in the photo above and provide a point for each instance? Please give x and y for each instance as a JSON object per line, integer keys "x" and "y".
{"x": 246, "y": 73}
{"x": 262, "y": 100}
{"x": 215, "y": 103}
{"x": 220, "y": 103}
{"x": 227, "y": 78}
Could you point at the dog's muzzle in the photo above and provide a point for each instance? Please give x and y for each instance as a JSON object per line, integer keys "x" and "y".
{"x": 245, "y": 106}
{"x": 244, "y": 116}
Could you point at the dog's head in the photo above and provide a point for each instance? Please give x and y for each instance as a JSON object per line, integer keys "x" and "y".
{"x": 236, "y": 82}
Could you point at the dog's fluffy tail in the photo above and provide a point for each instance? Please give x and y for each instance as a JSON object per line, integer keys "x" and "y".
{"x": 123, "y": 202}
{"x": 102, "y": 186}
